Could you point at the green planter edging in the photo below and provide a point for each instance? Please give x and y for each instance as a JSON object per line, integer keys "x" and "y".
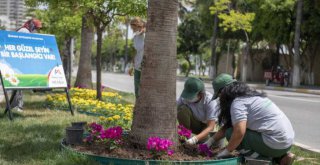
{"x": 121, "y": 161}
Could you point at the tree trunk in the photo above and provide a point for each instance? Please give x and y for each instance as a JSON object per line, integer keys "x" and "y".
{"x": 155, "y": 111}
{"x": 126, "y": 47}
{"x": 67, "y": 58}
{"x": 98, "y": 62}
{"x": 296, "y": 58}
{"x": 84, "y": 76}
{"x": 245, "y": 60}
{"x": 200, "y": 66}
{"x": 214, "y": 67}
{"x": 189, "y": 68}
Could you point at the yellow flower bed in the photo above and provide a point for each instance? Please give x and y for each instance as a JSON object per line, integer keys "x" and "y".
{"x": 111, "y": 110}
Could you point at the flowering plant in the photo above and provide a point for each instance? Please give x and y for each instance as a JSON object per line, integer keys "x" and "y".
{"x": 183, "y": 133}
{"x": 94, "y": 130}
{"x": 159, "y": 147}
{"x": 111, "y": 136}
{"x": 204, "y": 149}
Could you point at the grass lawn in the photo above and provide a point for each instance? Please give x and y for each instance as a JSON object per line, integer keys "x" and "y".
{"x": 33, "y": 138}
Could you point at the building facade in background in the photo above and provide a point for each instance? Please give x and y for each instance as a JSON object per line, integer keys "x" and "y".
{"x": 12, "y": 14}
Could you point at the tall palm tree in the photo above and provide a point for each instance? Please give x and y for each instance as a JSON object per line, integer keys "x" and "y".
{"x": 155, "y": 111}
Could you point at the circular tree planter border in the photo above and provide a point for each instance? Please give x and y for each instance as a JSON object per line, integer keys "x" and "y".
{"x": 121, "y": 161}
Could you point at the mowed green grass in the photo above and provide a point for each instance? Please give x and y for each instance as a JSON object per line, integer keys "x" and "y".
{"x": 33, "y": 138}
{"x": 31, "y": 80}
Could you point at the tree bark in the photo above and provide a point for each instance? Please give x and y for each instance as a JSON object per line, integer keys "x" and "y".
{"x": 155, "y": 111}
{"x": 189, "y": 68}
{"x": 126, "y": 47}
{"x": 214, "y": 67}
{"x": 296, "y": 58}
{"x": 67, "y": 58}
{"x": 98, "y": 63}
{"x": 245, "y": 59}
{"x": 84, "y": 76}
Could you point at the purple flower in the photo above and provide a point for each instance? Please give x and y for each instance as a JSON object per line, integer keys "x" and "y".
{"x": 203, "y": 148}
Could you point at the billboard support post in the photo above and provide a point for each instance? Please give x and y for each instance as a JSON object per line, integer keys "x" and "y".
{"x": 69, "y": 102}
{"x": 8, "y": 108}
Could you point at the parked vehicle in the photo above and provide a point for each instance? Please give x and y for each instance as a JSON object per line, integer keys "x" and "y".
{"x": 277, "y": 75}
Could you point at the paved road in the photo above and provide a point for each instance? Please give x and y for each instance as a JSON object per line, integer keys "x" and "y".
{"x": 302, "y": 109}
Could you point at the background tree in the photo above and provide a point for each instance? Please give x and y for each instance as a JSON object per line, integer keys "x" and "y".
{"x": 235, "y": 21}
{"x": 190, "y": 38}
{"x": 296, "y": 57}
{"x": 155, "y": 111}
{"x": 84, "y": 74}
{"x": 103, "y": 13}
{"x": 65, "y": 19}
{"x": 62, "y": 19}
{"x": 218, "y": 7}
{"x": 309, "y": 35}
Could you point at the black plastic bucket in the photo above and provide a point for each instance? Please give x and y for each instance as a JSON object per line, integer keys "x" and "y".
{"x": 74, "y": 135}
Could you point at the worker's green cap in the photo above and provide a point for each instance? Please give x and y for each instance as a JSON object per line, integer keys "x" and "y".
{"x": 220, "y": 82}
{"x": 191, "y": 88}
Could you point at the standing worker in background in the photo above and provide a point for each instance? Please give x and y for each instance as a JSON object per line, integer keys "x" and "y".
{"x": 138, "y": 28}
{"x": 197, "y": 111}
{"x": 31, "y": 26}
{"x": 252, "y": 123}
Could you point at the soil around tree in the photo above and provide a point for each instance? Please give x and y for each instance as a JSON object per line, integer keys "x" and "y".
{"x": 127, "y": 151}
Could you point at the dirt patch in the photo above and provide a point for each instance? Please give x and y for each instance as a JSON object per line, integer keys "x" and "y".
{"x": 127, "y": 151}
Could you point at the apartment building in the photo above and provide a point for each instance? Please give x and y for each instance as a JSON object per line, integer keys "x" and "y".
{"x": 12, "y": 13}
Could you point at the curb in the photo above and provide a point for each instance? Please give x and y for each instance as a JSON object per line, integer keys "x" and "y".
{"x": 263, "y": 86}
{"x": 306, "y": 148}
{"x": 298, "y": 90}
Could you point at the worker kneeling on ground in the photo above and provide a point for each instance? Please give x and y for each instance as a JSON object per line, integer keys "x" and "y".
{"x": 252, "y": 123}
{"x": 197, "y": 111}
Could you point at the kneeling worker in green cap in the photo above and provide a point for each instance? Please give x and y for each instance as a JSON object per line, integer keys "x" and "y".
{"x": 196, "y": 110}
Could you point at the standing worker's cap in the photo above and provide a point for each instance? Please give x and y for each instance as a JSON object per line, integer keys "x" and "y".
{"x": 37, "y": 23}
{"x": 191, "y": 88}
{"x": 220, "y": 82}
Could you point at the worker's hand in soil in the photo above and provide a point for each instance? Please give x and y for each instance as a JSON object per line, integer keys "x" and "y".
{"x": 192, "y": 140}
{"x": 224, "y": 154}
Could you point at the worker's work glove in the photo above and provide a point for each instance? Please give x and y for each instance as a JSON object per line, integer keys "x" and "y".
{"x": 192, "y": 140}
{"x": 224, "y": 154}
{"x": 209, "y": 142}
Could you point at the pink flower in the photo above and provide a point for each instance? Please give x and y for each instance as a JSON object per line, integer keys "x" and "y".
{"x": 183, "y": 132}
{"x": 170, "y": 152}
{"x": 158, "y": 146}
{"x": 95, "y": 127}
{"x": 112, "y": 133}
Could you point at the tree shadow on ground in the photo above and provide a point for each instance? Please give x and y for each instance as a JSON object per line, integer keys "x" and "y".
{"x": 36, "y": 142}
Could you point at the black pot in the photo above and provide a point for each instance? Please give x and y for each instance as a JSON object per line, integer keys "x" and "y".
{"x": 79, "y": 124}
{"x": 74, "y": 135}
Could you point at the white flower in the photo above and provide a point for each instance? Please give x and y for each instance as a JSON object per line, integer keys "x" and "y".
{"x": 6, "y": 71}
{"x": 14, "y": 81}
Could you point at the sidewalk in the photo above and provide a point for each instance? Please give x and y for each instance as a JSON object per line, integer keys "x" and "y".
{"x": 303, "y": 89}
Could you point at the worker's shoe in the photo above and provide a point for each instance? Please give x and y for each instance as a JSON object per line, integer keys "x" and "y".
{"x": 287, "y": 159}
{"x": 18, "y": 109}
